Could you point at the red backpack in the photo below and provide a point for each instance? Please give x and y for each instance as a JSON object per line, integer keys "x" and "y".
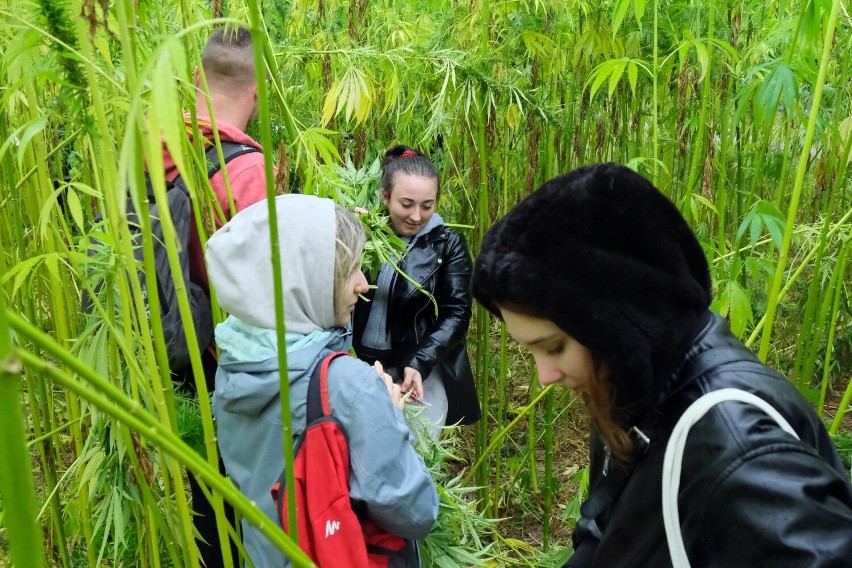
{"x": 330, "y": 530}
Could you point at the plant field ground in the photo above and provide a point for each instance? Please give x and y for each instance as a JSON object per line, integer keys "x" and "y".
{"x": 739, "y": 111}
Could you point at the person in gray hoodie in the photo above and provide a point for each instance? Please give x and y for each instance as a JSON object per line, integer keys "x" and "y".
{"x": 320, "y": 247}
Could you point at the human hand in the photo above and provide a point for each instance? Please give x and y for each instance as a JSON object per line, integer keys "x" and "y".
{"x": 412, "y": 381}
{"x": 393, "y": 389}
{"x": 359, "y": 211}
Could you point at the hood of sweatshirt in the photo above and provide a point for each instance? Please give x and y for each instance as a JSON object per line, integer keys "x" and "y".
{"x": 239, "y": 260}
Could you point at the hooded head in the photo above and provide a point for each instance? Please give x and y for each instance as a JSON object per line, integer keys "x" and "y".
{"x": 605, "y": 256}
{"x": 239, "y": 263}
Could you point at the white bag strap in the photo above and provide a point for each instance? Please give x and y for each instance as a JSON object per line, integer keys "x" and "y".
{"x": 674, "y": 456}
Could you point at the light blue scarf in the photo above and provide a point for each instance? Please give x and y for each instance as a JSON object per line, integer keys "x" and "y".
{"x": 249, "y": 343}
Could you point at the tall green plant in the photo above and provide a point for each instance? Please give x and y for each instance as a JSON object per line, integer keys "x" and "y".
{"x": 16, "y": 483}
{"x": 804, "y": 159}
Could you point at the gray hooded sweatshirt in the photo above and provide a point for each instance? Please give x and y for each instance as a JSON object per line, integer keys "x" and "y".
{"x": 385, "y": 471}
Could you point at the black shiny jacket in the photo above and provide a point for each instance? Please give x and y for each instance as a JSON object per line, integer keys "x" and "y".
{"x": 440, "y": 262}
{"x": 750, "y": 494}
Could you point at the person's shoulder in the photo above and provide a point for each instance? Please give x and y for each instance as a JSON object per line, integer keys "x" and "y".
{"x": 355, "y": 388}
{"x": 351, "y": 366}
{"x": 248, "y": 169}
{"x": 454, "y": 236}
{"x": 734, "y": 433}
{"x": 456, "y": 244}
{"x": 230, "y": 133}
{"x": 444, "y": 233}
{"x": 757, "y": 378}
{"x": 351, "y": 375}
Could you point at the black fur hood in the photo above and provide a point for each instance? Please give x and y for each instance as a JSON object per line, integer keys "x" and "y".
{"x": 610, "y": 260}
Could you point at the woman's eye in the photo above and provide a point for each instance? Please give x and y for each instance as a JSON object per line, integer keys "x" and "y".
{"x": 556, "y": 349}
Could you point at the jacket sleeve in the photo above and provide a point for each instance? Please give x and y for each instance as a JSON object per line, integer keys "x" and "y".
{"x": 780, "y": 505}
{"x": 387, "y": 474}
{"x": 452, "y": 292}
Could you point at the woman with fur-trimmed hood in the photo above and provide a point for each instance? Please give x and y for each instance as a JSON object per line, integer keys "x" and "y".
{"x": 599, "y": 275}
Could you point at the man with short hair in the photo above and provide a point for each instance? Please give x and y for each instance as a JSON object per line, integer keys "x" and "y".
{"x": 228, "y": 64}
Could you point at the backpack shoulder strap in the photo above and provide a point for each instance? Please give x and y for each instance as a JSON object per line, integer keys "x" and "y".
{"x": 318, "y": 405}
{"x": 673, "y": 460}
{"x": 230, "y": 150}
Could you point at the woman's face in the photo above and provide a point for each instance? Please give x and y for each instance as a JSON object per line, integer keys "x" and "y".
{"x": 411, "y": 203}
{"x": 356, "y": 284}
{"x": 559, "y": 357}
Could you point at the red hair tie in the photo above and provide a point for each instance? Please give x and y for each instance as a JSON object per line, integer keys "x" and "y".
{"x": 408, "y": 154}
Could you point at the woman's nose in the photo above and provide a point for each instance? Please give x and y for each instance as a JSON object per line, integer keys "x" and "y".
{"x": 362, "y": 286}
{"x": 547, "y": 372}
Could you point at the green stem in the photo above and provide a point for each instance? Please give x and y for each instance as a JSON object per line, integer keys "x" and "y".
{"x": 55, "y": 317}
{"x": 502, "y": 401}
{"x": 654, "y": 112}
{"x": 840, "y": 269}
{"x": 16, "y": 480}
{"x": 484, "y": 318}
{"x": 259, "y": 41}
{"x": 700, "y": 143}
{"x": 531, "y": 432}
{"x": 503, "y": 431}
{"x": 548, "y": 467}
{"x": 772, "y": 301}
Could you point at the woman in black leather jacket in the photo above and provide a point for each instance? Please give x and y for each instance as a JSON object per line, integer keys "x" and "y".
{"x": 418, "y": 341}
{"x": 599, "y": 275}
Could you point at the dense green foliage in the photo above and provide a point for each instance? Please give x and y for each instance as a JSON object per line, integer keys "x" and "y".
{"x": 739, "y": 111}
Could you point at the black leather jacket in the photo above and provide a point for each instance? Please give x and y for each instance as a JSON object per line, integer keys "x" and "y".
{"x": 440, "y": 262}
{"x": 750, "y": 494}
